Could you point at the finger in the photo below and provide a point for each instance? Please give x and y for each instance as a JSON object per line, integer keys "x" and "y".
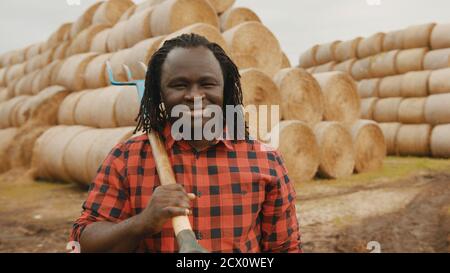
{"x": 174, "y": 187}
{"x": 191, "y": 196}
{"x": 176, "y": 211}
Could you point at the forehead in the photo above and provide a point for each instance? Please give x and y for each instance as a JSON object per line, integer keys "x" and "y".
{"x": 190, "y": 62}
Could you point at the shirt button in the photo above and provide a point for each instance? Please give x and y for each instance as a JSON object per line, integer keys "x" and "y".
{"x": 199, "y": 236}
{"x": 199, "y": 194}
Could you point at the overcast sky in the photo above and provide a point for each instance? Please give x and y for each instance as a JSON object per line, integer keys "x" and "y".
{"x": 298, "y": 24}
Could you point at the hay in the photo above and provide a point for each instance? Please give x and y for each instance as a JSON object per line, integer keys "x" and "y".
{"x": 285, "y": 61}
{"x": 99, "y": 43}
{"x": 103, "y": 113}
{"x": 440, "y": 146}
{"x": 390, "y": 131}
{"x": 84, "y": 108}
{"x": 415, "y": 84}
{"x": 4, "y": 94}
{"x": 369, "y": 146}
{"x": 437, "y": 59}
{"x": 59, "y": 35}
{"x": 84, "y": 21}
{"x": 95, "y": 72}
{"x": 115, "y": 40}
{"x": 308, "y": 58}
{"x": 410, "y": 60}
{"x": 386, "y": 110}
{"x": 368, "y": 107}
{"x": 221, "y": 5}
{"x": 437, "y": 109}
{"x": 128, "y": 13}
{"x": 71, "y": 73}
{"x": 55, "y": 73}
{"x": 369, "y": 88}
{"x": 301, "y": 97}
{"x": 45, "y": 76}
{"x": 146, "y": 4}
{"x": 109, "y": 12}
{"x": 117, "y": 60}
{"x": 326, "y": 53}
{"x": 412, "y": 111}
{"x": 127, "y": 107}
{"x": 341, "y": 97}
{"x": 336, "y": 150}
{"x": 413, "y": 140}
{"x": 252, "y": 45}
{"x": 14, "y": 72}
{"x": 61, "y": 51}
{"x": 370, "y": 46}
{"x": 8, "y": 110}
{"x": 440, "y": 37}
{"x": 390, "y": 87}
{"x": 297, "y": 144}
{"x": 237, "y": 16}
{"x": 438, "y": 82}
{"x": 7, "y": 136}
{"x": 328, "y": 67}
{"x": 347, "y": 50}
{"x": 66, "y": 112}
{"x": 138, "y": 28}
{"x": 173, "y": 15}
{"x": 345, "y": 66}
{"x": 393, "y": 40}
{"x": 417, "y": 36}
{"x": 82, "y": 42}
{"x": 361, "y": 69}
{"x": 2, "y": 76}
{"x": 384, "y": 64}
{"x": 142, "y": 52}
{"x": 31, "y": 51}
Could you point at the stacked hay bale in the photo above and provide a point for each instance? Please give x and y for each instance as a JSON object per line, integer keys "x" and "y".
{"x": 403, "y": 84}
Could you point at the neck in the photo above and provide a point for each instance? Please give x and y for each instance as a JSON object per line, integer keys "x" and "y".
{"x": 200, "y": 145}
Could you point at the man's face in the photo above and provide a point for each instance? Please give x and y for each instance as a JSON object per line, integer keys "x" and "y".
{"x": 189, "y": 74}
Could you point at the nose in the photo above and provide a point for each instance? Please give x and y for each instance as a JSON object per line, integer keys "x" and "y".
{"x": 194, "y": 93}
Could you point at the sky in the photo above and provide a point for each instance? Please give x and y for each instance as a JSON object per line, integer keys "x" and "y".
{"x": 298, "y": 24}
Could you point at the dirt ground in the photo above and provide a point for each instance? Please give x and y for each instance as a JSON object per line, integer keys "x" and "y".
{"x": 404, "y": 207}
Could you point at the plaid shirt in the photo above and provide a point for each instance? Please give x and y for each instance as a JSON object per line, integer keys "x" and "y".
{"x": 245, "y": 200}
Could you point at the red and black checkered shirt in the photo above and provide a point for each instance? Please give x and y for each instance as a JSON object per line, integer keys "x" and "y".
{"x": 245, "y": 200}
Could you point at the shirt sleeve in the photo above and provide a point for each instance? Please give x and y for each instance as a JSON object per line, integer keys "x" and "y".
{"x": 280, "y": 229}
{"x": 107, "y": 198}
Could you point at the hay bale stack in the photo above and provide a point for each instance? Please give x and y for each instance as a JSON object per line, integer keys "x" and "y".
{"x": 4, "y": 94}
{"x": 31, "y": 51}
{"x": 438, "y": 82}
{"x": 116, "y": 38}
{"x": 99, "y": 42}
{"x": 368, "y": 107}
{"x": 328, "y": 67}
{"x": 117, "y": 60}
{"x": 45, "y": 76}
{"x": 237, "y": 16}
{"x": 82, "y": 42}
{"x": 82, "y": 111}
{"x": 345, "y": 66}
{"x": 7, "y": 136}
{"x": 440, "y": 144}
{"x": 347, "y": 50}
{"x": 259, "y": 89}
{"x": 326, "y": 52}
{"x": 368, "y": 88}
{"x": 415, "y": 84}
{"x": 308, "y": 58}
{"x": 393, "y": 40}
{"x": 341, "y": 97}
{"x": 298, "y": 146}
{"x": 103, "y": 113}
{"x": 390, "y": 131}
{"x": 127, "y": 107}
{"x": 109, "y": 12}
{"x": 71, "y": 74}
{"x": 412, "y": 111}
{"x": 14, "y": 72}
{"x": 66, "y": 113}
{"x": 437, "y": 109}
{"x": 369, "y": 146}
{"x": 413, "y": 140}
{"x": 440, "y": 37}
{"x": 384, "y": 64}
{"x": 361, "y": 69}
{"x": 59, "y": 36}
{"x": 173, "y": 15}
{"x": 252, "y": 45}
{"x": 221, "y": 5}
{"x": 410, "y": 60}
{"x": 417, "y": 36}
{"x": 370, "y": 46}
{"x": 2, "y": 76}
{"x": 301, "y": 96}
{"x": 138, "y": 28}
{"x": 390, "y": 86}
{"x": 336, "y": 150}
{"x": 61, "y": 51}
{"x": 8, "y": 110}
{"x": 386, "y": 110}
{"x": 95, "y": 72}
{"x": 128, "y": 13}
{"x": 145, "y": 5}
{"x": 437, "y": 59}
{"x": 142, "y": 52}
{"x": 84, "y": 21}
{"x": 24, "y": 85}
{"x": 285, "y": 63}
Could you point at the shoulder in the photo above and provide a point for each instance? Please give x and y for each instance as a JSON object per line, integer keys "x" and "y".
{"x": 133, "y": 145}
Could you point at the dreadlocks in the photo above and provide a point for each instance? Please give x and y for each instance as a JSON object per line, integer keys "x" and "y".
{"x": 152, "y": 115}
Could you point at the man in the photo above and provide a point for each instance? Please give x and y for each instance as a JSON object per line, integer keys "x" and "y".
{"x": 237, "y": 193}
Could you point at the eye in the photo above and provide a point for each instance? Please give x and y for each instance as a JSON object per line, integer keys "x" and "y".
{"x": 179, "y": 86}
{"x": 209, "y": 85}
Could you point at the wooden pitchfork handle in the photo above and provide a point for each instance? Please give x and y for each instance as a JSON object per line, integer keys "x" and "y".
{"x": 187, "y": 242}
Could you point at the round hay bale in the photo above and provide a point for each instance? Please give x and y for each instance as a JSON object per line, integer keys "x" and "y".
{"x": 370, "y": 46}
{"x": 95, "y": 72}
{"x": 253, "y": 45}
{"x": 115, "y": 40}
{"x": 308, "y": 58}
{"x": 337, "y": 157}
{"x": 368, "y": 107}
{"x": 45, "y": 76}
{"x": 410, "y": 60}
{"x": 39, "y": 61}
{"x": 66, "y": 112}
{"x": 82, "y": 42}
{"x": 146, "y": 4}
{"x": 345, "y": 66}
{"x": 127, "y": 107}
{"x": 24, "y": 85}
{"x": 297, "y": 144}
{"x": 142, "y": 52}
{"x": 440, "y": 37}
{"x": 7, "y": 136}
{"x": 103, "y": 113}
{"x": 137, "y": 28}
{"x": 328, "y": 67}
{"x": 301, "y": 97}
{"x": 173, "y": 15}
{"x": 341, "y": 101}
{"x": 415, "y": 84}
{"x": 369, "y": 88}
{"x": 84, "y": 108}
{"x": 285, "y": 62}
{"x": 71, "y": 73}
{"x": 347, "y": 50}
{"x": 38, "y": 153}
{"x": 417, "y": 36}
{"x": 413, "y": 140}
{"x": 55, "y": 73}
{"x": 390, "y": 87}
{"x": 311, "y": 70}
{"x": 2, "y": 76}
{"x": 437, "y": 59}
{"x": 4, "y": 94}
{"x": 386, "y": 110}
{"x": 14, "y": 72}
{"x": 361, "y": 69}
{"x": 393, "y": 40}
{"x": 18, "y": 56}
{"x": 84, "y": 21}
{"x": 437, "y": 109}
{"x": 61, "y": 51}
{"x": 8, "y": 110}
{"x": 438, "y": 81}
{"x": 369, "y": 146}
{"x": 221, "y": 5}
{"x": 412, "y": 111}
{"x": 440, "y": 146}
{"x": 59, "y": 35}
{"x": 117, "y": 60}
{"x": 35, "y": 83}
{"x": 384, "y": 64}
{"x": 390, "y": 131}
{"x": 32, "y": 51}
{"x": 128, "y": 13}
{"x": 326, "y": 53}
{"x": 109, "y": 12}
{"x": 99, "y": 42}
{"x": 237, "y": 16}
